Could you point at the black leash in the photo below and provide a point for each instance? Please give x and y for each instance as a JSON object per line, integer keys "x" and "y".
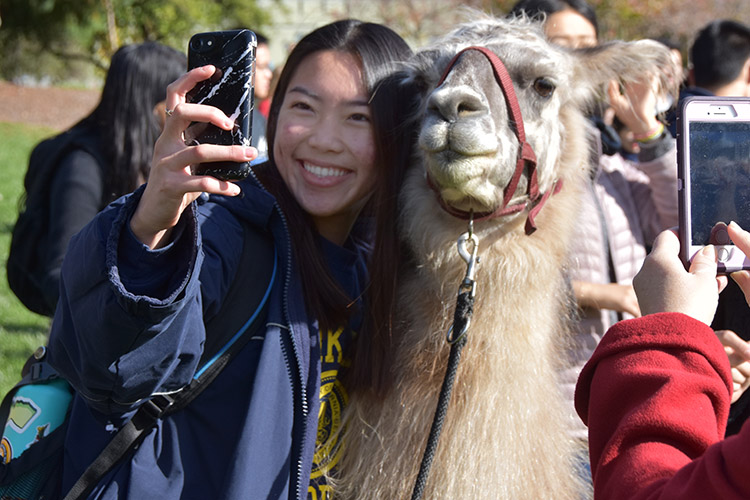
{"x": 461, "y": 321}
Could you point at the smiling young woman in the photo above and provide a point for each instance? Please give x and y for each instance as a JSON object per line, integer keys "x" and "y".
{"x": 324, "y": 147}
{"x": 157, "y": 266}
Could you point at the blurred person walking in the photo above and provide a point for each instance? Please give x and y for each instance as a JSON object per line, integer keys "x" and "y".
{"x": 105, "y": 155}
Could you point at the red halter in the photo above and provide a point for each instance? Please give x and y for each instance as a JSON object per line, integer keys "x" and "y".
{"x": 526, "y": 154}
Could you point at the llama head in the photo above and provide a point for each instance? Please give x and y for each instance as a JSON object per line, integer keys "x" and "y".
{"x": 470, "y": 140}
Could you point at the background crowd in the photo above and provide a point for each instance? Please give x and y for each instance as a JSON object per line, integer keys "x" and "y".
{"x": 164, "y": 242}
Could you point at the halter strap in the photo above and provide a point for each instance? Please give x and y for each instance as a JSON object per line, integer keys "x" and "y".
{"x": 526, "y": 156}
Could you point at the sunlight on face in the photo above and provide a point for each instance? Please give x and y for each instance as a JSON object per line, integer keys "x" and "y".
{"x": 570, "y": 29}
{"x": 324, "y": 146}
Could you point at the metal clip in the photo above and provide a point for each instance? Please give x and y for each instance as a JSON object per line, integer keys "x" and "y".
{"x": 451, "y": 339}
{"x": 470, "y": 258}
{"x": 468, "y": 284}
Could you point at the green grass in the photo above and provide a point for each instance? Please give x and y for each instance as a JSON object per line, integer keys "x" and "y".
{"x": 21, "y": 331}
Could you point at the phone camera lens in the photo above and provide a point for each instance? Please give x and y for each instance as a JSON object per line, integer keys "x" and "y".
{"x": 202, "y": 44}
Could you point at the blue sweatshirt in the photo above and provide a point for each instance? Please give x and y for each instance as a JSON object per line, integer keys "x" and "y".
{"x": 130, "y": 323}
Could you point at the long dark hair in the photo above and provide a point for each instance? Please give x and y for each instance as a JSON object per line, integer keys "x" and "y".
{"x": 395, "y": 112}
{"x": 136, "y": 82}
{"x": 379, "y": 50}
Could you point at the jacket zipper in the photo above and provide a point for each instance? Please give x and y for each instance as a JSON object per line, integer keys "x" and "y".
{"x": 295, "y": 348}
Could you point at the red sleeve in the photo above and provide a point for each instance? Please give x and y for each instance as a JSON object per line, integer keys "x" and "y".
{"x": 655, "y": 395}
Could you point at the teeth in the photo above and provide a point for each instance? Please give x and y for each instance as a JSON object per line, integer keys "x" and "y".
{"x": 323, "y": 172}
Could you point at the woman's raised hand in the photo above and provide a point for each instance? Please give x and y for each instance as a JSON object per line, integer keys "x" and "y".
{"x": 636, "y": 107}
{"x": 171, "y": 186}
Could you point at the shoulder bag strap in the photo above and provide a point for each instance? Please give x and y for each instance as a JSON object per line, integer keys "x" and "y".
{"x": 258, "y": 266}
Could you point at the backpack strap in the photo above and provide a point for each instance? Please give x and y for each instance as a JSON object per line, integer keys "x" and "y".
{"x": 35, "y": 371}
{"x": 226, "y": 334}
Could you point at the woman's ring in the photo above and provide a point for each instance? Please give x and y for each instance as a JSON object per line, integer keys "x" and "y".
{"x": 169, "y": 112}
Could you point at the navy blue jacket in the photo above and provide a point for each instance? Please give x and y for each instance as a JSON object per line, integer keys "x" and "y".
{"x": 129, "y": 324}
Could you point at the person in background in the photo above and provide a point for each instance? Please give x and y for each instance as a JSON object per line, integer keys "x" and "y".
{"x": 568, "y": 23}
{"x": 143, "y": 279}
{"x": 656, "y": 392}
{"x": 262, "y": 95}
{"x": 123, "y": 127}
{"x": 264, "y": 71}
{"x": 718, "y": 64}
{"x": 625, "y": 204}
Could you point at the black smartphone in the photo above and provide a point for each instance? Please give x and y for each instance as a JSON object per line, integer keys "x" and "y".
{"x": 230, "y": 89}
{"x": 714, "y": 176}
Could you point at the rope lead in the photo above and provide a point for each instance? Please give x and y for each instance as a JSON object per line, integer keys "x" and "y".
{"x": 461, "y": 322}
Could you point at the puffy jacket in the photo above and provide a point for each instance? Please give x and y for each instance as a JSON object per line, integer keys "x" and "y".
{"x": 622, "y": 210}
{"x": 130, "y": 324}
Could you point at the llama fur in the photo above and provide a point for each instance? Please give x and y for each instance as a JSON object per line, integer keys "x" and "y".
{"x": 505, "y": 435}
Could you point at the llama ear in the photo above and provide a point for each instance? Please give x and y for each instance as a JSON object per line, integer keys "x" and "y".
{"x": 627, "y": 62}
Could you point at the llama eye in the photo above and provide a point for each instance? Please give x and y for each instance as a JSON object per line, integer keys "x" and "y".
{"x": 544, "y": 87}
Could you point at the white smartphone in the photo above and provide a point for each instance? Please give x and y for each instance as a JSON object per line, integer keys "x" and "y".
{"x": 714, "y": 176}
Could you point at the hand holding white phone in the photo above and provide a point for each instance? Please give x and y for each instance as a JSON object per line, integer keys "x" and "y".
{"x": 714, "y": 176}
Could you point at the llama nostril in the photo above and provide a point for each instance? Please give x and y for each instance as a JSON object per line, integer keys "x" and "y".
{"x": 466, "y": 108}
{"x": 456, "y": 103}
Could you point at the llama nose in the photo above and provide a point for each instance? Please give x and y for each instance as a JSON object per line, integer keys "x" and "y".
{"x": 456, "y": 103}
